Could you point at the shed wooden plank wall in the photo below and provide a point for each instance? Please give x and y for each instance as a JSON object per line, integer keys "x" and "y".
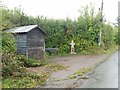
{"x": 36, "y": 43}
{"x": 21, "y": 43}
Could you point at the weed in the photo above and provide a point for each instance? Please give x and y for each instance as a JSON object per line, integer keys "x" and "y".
{"x": 72, "y": 77}
{"x": 80, "y": 72}
{"x": 56, "y": 67}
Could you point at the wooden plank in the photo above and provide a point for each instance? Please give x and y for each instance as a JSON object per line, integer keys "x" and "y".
{"x": 51, "y": 49}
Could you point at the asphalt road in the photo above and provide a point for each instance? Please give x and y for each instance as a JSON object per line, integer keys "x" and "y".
{"x": 105, "y": 76}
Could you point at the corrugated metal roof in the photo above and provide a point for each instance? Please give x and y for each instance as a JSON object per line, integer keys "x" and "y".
{"x": 22, "y": 29}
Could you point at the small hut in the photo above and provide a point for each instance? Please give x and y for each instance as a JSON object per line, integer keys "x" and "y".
{"x": 30, "y": 41}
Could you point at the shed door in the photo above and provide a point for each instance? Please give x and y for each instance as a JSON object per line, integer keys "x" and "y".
{"x": 21, "y": 43}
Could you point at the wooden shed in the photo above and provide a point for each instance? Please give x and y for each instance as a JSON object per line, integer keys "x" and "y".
{"x": 30, "y": 41}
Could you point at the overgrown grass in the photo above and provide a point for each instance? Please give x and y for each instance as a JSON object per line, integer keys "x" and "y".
{"x": 31, "y": 79}
{"x": 35, "y": 63}
{"x": 16, "y": 75}
{"x": 28, "y": 80}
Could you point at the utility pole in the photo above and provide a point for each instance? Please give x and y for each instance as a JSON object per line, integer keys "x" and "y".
{"x": 118, "y": 20}
{"x": 101, "y": 20}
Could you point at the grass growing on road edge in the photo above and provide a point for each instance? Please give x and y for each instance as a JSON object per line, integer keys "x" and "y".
{"x": 80, "y": 72}
{"x": 56, "y": 67}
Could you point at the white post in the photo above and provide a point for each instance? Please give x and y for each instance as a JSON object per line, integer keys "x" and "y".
{"x": 72, "y": 47}
{"x": 99, "y": 39}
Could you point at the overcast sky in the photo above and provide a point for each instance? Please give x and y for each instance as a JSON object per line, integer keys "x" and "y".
{"x": 60, "y": 9}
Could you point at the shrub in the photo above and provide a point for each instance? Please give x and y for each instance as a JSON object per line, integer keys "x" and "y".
{"x": 32, "y": 63}
{"x": 10, "y": 63}
{"x": 28, "y": 80}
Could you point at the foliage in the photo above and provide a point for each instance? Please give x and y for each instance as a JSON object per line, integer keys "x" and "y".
{"x": 84, "y": 31}
{"x": 34, "y": 63}
{"x": 11, "y": 64}
{"x": 108, "y": 36}
{"x": 8, "y": 42}
{"x": 28, "y": 80}
{"x": 117, "y": 38}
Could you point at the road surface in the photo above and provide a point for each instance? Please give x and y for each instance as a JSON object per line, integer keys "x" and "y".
{"x": 105, "y": 76}
{"x": 74, "y": 62}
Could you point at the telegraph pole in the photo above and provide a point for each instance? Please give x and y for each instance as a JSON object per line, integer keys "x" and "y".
{"x": 101, "y": 20}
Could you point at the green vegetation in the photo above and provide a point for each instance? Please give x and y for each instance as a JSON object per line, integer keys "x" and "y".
{"x": 72, "y": 76}
{"x": 34, "y": 63}
{"x": 80, "y": 72}
{"x": 83, "y": 71}
{"x": 27, "y": 80}
{"x": 56, "y": 67}
{"x": 84, "y": 31}
{"x": 30, "y": 79}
